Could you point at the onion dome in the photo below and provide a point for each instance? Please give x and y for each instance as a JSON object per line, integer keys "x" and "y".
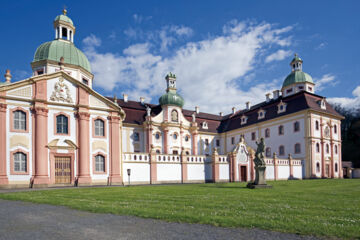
{"x": 171, "y": 97}
{"x": 297, "y": 75}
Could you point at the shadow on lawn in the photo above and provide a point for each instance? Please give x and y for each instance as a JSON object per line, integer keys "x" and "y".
{"x": 223, "y": 186}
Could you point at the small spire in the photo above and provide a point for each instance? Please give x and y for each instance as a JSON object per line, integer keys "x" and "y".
{"x": 8, "y": 76}
{"x": 64, "y": 11}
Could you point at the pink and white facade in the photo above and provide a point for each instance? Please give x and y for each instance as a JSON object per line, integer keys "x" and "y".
{"x": 56, "y": 130}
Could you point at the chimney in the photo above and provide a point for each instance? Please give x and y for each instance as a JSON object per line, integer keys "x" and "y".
{"x": 233, "y": 110}
{"x": 267, "y": 97}
{"x": 197, "y": 110}
{"x": 125, "y": 96}
{"x": 247, "y": 105}
{"x": 7, "y": 76}
{"x": 142, "y": 100}
{"x": 276, "y": 94}
{"x": 221, "y": 114}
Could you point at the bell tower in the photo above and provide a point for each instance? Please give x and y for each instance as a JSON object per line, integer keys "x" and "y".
{"x": 171, "y": 82}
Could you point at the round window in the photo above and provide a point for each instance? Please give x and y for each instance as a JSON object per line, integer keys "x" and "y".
{"x": 175, "y": 136}
{"x": 157, "y": 136}
{"x": 186, "y": 138}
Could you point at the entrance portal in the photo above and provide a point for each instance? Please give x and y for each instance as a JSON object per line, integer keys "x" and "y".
{"x": 62, "y": 170}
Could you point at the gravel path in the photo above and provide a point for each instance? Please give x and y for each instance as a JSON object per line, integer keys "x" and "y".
{"x": 22, "y": 220}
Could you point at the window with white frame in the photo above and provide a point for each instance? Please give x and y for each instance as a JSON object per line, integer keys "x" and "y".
{"x": 99, "y": 128}
{"x": 19, "y": 120}
{"x": 261, "y": 114}
{"x": 281, "y": 107}
{"x": 99, "y": 163}
{"x": 62, "y": 124}
{"x": 297, "y": 148}
{"x": 20, "y": 162}
{"x": 244, "y": 120}
{"x": 205, "y": 125}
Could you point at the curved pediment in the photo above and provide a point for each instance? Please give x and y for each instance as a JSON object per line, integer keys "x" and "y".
{"x": 59, "y": 144}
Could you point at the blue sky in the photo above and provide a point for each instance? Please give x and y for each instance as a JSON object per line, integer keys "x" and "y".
{"x": 224, "y": 53}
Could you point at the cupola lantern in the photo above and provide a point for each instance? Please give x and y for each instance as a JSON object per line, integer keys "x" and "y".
{"x": 64, "y": 27}
{"x": 296, "y": 63}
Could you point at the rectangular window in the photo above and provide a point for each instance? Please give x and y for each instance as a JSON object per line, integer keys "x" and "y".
{"x": 40, "y": 71}
{"x": 19, "y": 120}
{"x": 289, "y": 90}
{"x": 232, "y": 140}
{"x": 136, "y": 136}
{"x": 253, "y": 136}
{"x": 99, "y": 127}
{"x": 20, "y": 162}
{"x": 85, "y": 81}
{"x": 99, "y": 163}
{"x": 61, "y": 124}
{"x": 217, "y": 142}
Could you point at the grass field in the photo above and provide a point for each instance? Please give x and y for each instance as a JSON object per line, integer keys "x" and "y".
{"x": 317, "y": 207}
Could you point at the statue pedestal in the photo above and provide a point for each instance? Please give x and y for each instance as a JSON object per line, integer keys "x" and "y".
{"x": 260, "y": 181}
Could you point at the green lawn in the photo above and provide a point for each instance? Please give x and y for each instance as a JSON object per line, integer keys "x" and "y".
{"x": 317, "y": 207}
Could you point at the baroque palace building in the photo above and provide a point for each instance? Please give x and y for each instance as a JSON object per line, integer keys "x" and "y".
{"x": 56, "y": 130}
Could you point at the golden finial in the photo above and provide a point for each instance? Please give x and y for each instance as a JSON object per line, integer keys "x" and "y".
{"x": 65, "y": 11}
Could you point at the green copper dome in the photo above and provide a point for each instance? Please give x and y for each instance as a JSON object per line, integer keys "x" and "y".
{"x": 171, "y": 98}
{"x": 56, "y": 49}
{"x": 64, "y": 18}
{"x": 297, "y": 77}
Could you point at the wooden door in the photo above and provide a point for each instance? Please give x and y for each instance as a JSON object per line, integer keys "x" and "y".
{"x": 62, "y": 170}
{"x": 243, "y": 176}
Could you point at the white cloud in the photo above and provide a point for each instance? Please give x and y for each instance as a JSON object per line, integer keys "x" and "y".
{"x": 348, "y": 103}
{"x": 92, "y": 41}
{"x": 278, "y": 56}
{"x": 209, "y": 72}
{"x": 325, "y": 81}
{"x": 321, "y": 46}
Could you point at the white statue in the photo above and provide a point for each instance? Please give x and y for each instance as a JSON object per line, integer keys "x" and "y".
{"x": 148, "y": 111}
{"x": 193, "y": 117}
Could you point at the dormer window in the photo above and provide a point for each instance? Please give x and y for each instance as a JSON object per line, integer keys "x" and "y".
{"x": 39, "y": 71}
{"x": 323, "y": 104}
{"x": 261, "y": 114}
{"x": 205, "y": 125}
{"x": 281, "y": 107}
{"x": 244, "y": 120}
{"x": 289, "y": 90}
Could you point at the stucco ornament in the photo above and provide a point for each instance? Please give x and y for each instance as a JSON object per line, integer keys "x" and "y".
{"x": 174, "y": 116}
{"x": 260, "y": 153}
{"x": 61, "y": 92}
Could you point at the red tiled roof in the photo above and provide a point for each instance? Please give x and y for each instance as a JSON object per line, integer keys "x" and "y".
{"x": 136, "y": 112}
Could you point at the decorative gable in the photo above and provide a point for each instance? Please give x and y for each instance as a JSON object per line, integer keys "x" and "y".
{"x": 281, "y": 107}
{"x": 261, "y": 114}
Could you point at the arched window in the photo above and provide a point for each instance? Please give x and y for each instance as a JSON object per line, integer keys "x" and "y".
{"x": 268, "y": 152}
{"x": 317, "y": 125}
{"x": 336, "y": 149}
{"x": 175, "y": 136}
{"x": 281, "y": 130}
{"x": 327, "y": 148}
{"x": 20, "y": 163}
{"x": 335, "y": 129}
{"x": 187, "y": 138}
{"x": 174, "y": 116}
{"x": 99, "y": 127}
{"x": 296, "y": 126}
{"x": 157, "y": 136}
{"x": 19, "y": 120}
{"x": 267, "y": 133}
{"x": 297, "y": 148}
{"x": 99, "y": 163}
{"x": 62, "y": 124}
{"x": 336, "y": 167}
{"x": 317, "y": 167}
{"x": 281, "y": 150}
{"x": 317, "y": 147}
{"x": 157, "y": 151}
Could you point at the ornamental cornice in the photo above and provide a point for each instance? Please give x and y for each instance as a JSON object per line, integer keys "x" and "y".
{"x": 40, "y": 110}
{"x": 114, "y": 119}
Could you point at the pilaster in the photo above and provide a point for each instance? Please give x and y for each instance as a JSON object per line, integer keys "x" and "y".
{"x": 84, "y": 148}
{"x": 291, "y": 167}
{"x": 153, "y": 167}
{"x": 184, "y": 167}
{"x": 275, "y": 167}
{"x": 215, "y": 165}
{"x": 115, "y": 177}
{"x": 3, "y": 140}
